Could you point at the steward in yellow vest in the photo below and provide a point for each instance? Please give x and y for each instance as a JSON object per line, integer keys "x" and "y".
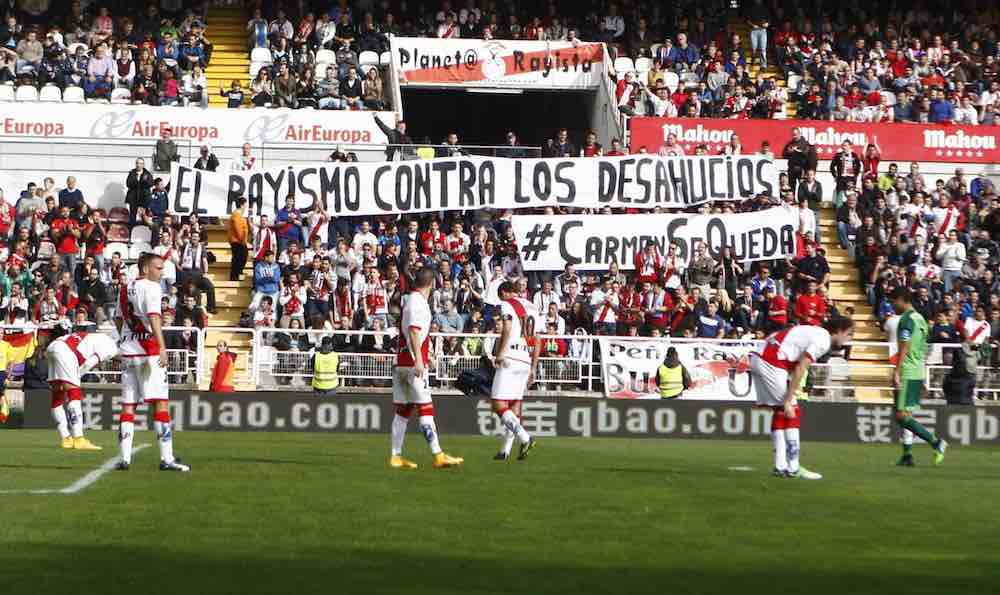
{"x": 672, "y": 377}
{"x": 325, "y": 365}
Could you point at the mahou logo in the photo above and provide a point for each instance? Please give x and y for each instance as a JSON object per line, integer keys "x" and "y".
{"x": 940, "y": 139}
{"x": 698, "y": 134}
{"x": 830, "y": 137}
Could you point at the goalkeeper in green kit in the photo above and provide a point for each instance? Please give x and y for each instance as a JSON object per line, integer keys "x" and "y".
{"x": 910, "y": 375}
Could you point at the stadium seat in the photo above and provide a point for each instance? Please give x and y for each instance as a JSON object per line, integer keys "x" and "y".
{"x": 142, "y": 233}
{"x": 690, "y": 79}
{"x": 6, "y": 93}
{"x": 73, "y": 95}
{"x": 385, "y": 58}
{"x": 26, "y": 94}
{"x": 121, "y": 96}
{"x": 671, "y": 81}
{"x": 653, "y": 49}
{"x": 367, "y": 58}
{"x": 794, "y": 80}
{"x": 136, "y": 249}
{"x": 118, "y": 247}
{"x": 262, "y": 55}
{"x": 46, "y": 249}
{"x": 325, "y": 57}
{"x": 118, "y": 232}
{"x": 643, "y": 64}
{"x": 118, "y": 215}
{"x": 50, "y": 94}
{"x": 623, "y": 65}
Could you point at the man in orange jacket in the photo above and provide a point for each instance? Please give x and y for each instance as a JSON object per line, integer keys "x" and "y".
{"x": 238, "y": 231}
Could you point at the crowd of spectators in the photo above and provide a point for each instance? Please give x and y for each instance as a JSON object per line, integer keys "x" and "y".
{"x": 937, "y": 237}
{"x": 313, "y": 271}
{"x": 158, "y": 57}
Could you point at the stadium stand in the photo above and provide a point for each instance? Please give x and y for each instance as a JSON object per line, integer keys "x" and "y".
{"x": 705, "y": 59}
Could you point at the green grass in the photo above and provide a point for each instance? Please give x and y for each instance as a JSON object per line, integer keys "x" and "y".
{"x": 310, "y": 513}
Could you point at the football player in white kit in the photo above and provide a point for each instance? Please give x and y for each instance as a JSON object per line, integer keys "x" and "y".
{"x": 516, "y": 359}
{"x": 71, "y": 356}
{"x": 777, "y": 370}
{"x": 410, "y": 389}
{"x": 144, "y": 362}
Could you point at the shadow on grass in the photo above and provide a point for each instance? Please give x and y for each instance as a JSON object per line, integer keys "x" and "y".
{"x": 115, "y": 569}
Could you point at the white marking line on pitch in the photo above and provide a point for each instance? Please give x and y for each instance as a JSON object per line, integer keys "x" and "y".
{"x": 741, "y": 468}
{"x": 84, "y": 482}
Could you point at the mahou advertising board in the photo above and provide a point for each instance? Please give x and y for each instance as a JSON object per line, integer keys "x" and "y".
{"x": 898, "y": 142}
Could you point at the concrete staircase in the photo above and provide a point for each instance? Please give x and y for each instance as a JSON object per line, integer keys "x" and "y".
{"x": 232, "y": 299}
{"x": 739, "y": 25}
{"x": 230, "y": 54}
{"x": 866, "y": 362}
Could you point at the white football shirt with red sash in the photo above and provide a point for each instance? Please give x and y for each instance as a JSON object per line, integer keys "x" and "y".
{"x": 976, "y": 331}
{"x": 524, "y": 321}
{"x": 416, "y": 316}
{"x": 375, "y": 298}
{"x": 318, "y": 228}
{"x": 264, "y": 241}
{"x": 85, "y": 345}
{"x": 946, "y": 219}
{"x": 786, "y": 348}
{"x": 139, "y": 302}
{"x": 607, "y": 311}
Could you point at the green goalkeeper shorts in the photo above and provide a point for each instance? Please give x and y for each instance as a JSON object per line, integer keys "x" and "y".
{"x": 908, "y": 395}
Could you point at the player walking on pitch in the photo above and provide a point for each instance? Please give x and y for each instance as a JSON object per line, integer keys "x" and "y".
{"x": 909, "y": 376}
{"x": 70, "y": 357}
{"x": 777, "y": 371}
{"x": 410, "y": 390}
{"x": 517, "y": 356}
{"x": 144, "y": 362}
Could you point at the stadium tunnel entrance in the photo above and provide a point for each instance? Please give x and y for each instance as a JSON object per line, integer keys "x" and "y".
{"x": 483, "y": 117}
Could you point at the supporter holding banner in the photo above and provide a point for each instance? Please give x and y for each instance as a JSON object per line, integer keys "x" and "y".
{"x": 459, "y": 183}
{"x": 593, "y": 242}
{"x": 498, "y": 63}
{"x": 718, "y": 371}
{"x": 897, "y": 141}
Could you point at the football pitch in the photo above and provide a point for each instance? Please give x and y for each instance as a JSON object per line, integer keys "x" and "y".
{"x": 322, "y": 513}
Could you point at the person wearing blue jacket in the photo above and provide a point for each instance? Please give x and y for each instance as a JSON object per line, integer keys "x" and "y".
{"x": 684, "y": 55}
{"x": 942, "y": 111}
{"x": 266, "y": 280}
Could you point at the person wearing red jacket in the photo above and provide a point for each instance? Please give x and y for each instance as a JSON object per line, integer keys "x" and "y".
{"x": 432, "y": 240}
{"x": 810, "y": 307}
{"x": 630, "y": 302}
{"x": 777, "y": 310}
{"x": 649, "y": 263}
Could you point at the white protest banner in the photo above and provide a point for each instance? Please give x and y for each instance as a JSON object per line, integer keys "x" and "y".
{"x": 459, "y": 183}
{"x": 498, "y": 63}
{"x": 229, "y": 127}
{"x": 718, "y": 371}
{"x": 550, "y": 242}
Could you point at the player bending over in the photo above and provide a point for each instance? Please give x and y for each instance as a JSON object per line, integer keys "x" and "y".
{"x": 777, "y": 371}
{"x": 70, "y": 357}
{"x": 517, "y": 356}
{"x": 410, "y": 390}
{"x": 144, "y": 362}
{"x": 909, "y": 376}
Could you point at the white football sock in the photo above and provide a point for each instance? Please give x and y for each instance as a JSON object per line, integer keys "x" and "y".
{"x": 399, "y": 424}
{"x": 75, "y": 418}
{"x": 165, "y": 436}
{"x": 508, "y": 441}
{"x": 429, "y": 428}
{"x": 780, "y": 450}
{"x": 59, "y": 414}
{"x": 792, "y": 440}
{"x": 907, "y": 437}
{"x": 126, "y": 433}
{"x": 513, "y": 424}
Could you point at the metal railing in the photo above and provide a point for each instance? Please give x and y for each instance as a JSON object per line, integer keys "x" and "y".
{"x": 278, "y": 358}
